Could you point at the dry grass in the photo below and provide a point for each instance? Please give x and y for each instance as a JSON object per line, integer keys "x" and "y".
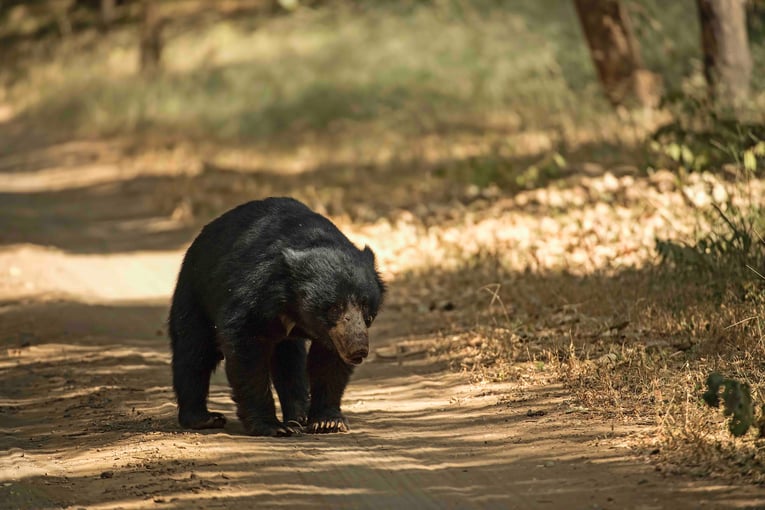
{"x": 559, "y": 283}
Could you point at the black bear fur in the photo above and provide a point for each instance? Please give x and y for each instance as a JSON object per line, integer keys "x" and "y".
{"x": 255, "y": 286}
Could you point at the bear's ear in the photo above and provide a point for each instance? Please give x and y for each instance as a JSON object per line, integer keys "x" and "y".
{"x": 294, "y": 259}
{"x": 369, "y": 254}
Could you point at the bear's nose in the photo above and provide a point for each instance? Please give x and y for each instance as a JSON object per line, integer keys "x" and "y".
{"x": 361, "y": 352}
{"x": 358, "y": 355}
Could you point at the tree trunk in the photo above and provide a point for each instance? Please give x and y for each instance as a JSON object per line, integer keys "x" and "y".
{"x": 727, "y": 61}
{"x": 616, "y": 53}
{"x": 61, "y": 12}
{"x": 108, "y": 13}
{"x": 151, "y": 38}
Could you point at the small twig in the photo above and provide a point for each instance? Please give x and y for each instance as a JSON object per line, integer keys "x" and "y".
{"x": 717, "y": 144}
{"x": 755, "y": 271}
{"x": 727, "y": 220}
{"x": 401, "y": 353}
{"x": 741, "y": 322}
{"x": 493, "y": 289}
{"x": 762, "y": 241}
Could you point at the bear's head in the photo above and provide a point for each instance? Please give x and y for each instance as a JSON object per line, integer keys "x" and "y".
{"x": 337, "y": 296}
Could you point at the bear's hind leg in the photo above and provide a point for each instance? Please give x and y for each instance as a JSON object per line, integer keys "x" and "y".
{"x": 195, "y": 357}
{"x": 288, "y": 373}
{"x": 248, "y": 363}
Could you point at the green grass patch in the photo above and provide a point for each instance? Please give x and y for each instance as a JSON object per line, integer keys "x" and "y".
{"x": 411, "y": 68}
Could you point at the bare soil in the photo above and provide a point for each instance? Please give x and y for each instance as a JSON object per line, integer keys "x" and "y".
{"x": 87, "y": 419}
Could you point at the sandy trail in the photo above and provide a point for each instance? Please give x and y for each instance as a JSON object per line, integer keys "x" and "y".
{"x": 87, "y": 418}
{"x": 88, "y": 421}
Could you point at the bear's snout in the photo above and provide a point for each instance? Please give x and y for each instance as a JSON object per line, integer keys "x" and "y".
{"x": 350, "y": 336}
{"x": 354, "y": 348}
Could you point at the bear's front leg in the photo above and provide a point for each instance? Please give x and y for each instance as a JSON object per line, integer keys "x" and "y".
{"x": 328, "y": 376}
{"x": 288, "y": 373}
{"x": 247, "y": 368}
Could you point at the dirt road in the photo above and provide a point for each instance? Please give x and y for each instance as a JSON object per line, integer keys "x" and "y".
{"x": 87, "y": 418}
{"x": 88, "y": 421}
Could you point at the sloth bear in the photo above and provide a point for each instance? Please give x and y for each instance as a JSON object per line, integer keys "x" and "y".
{"x": 256, "y": 285}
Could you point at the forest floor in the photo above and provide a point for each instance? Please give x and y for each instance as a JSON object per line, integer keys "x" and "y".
{"x": 93, "y": 235}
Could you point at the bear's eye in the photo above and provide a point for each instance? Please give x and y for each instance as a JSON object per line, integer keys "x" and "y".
{"x": 368, "y": 320}
{"x": 333, "y": 314}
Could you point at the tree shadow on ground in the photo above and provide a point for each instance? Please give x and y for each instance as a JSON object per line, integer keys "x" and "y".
{"x": 89, "y": 387}
{"x": 93, "y": 208}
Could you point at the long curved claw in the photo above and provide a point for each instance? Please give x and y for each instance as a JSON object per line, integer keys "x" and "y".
{"x": 328, "y": 426}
